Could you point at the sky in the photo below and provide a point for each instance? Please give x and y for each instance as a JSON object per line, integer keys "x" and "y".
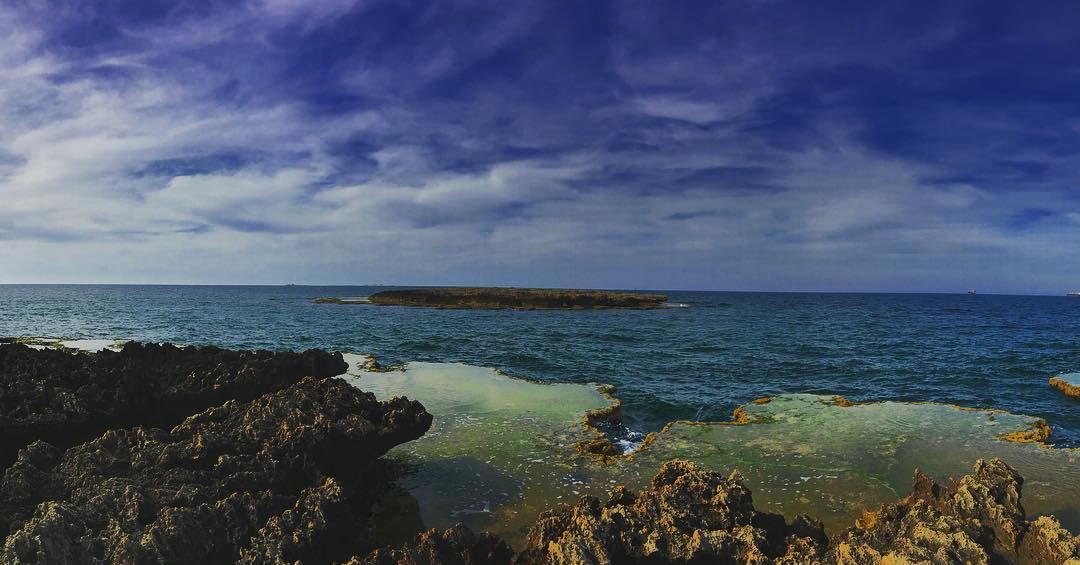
{"x": 759, "y": 145}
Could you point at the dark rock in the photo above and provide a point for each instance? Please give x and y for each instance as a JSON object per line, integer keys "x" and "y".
{"x": 456, "y": 546}
{"x": 978, "y": 519}
{"x": 65, "y": 399}
{"x": 291, "y": 475}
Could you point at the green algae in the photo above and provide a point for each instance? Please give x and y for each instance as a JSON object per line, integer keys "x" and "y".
{"x": 501, "y": 450}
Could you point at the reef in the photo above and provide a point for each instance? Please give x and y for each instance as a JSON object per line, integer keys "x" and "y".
{"x": 1068, "y": 384}
{"x": 67, "y": 398}
{"x": 289, "y": 476}
{"x": 518, "y": 298}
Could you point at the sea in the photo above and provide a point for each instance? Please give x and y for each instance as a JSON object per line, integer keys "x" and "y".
{"x": 698, "y": 360}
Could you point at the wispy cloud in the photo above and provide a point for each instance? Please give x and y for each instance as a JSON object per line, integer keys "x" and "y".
{"x": 772, "y": 145}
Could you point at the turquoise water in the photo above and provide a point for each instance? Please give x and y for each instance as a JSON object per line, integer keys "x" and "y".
{"x": 694, "y": 363}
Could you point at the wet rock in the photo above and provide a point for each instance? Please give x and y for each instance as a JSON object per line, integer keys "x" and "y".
{"x": 1068, "y": 384}
{"x": 65, "y": 398}
{"x": 599, "y": 422}
{"x": 291, "y": 475}
{"x": 688, "y": 515}
{"x": 456, "y": 546}
{"x": 1038, "y": 432}
{"x": 978, "y": 519}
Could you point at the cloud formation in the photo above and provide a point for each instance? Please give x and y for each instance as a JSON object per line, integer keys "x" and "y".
{"x": 758, "y": 145}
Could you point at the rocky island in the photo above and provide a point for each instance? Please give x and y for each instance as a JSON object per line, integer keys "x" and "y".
{"x": 518, "y": 298}
{"x": 277, "y": 463}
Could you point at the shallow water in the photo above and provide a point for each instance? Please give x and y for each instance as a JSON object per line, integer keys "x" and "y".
{"x": 501, "y": 450}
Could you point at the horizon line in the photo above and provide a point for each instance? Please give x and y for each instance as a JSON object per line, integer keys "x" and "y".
{"x": 743, "y": 291}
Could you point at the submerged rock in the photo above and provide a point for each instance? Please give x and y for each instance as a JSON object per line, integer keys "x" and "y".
{"x": 289, "y": 476}
{"x": 64, "y": 398}
{"x": 687, "y": 515}
{"x": 978, "y": 519}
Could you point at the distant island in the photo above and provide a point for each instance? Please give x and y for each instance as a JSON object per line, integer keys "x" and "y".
{"x": 511, "y": 298}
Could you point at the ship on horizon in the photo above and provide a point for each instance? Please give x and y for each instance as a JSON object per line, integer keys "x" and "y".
{"x": 1073, "y": 294}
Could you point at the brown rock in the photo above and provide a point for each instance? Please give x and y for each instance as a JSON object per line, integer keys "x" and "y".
{"x": 977, "y": 519}
{"x": 1070, "y": 390}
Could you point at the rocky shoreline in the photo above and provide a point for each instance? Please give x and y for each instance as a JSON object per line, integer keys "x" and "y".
{"x": 275, "y": 462}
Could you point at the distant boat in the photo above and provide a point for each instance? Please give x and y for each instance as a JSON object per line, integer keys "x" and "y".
{"x": 1074, "y": 294}
{"x": 972, "y": 291}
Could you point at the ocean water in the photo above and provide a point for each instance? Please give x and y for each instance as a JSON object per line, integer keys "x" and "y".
{"x": 695, "y": 363}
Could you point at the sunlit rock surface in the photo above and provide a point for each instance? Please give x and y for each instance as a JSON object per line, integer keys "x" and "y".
{"x": 977, "y": 519}
{"x": 501, "y": 450}
{"x": 686, "y": 515}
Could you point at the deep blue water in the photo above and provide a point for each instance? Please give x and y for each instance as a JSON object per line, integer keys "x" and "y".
{"x": 693, "y": 363}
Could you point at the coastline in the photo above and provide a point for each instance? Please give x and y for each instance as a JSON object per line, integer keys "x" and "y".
{"x": 546, "y": 438}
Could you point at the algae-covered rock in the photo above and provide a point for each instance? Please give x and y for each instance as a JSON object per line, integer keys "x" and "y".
{"x": 67, "y": 398}
{"x": 288, "y": 476}
{"x": 1068, "y": 384}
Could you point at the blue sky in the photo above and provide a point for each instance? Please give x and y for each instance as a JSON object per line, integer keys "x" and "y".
{"x": 760, "y": 145}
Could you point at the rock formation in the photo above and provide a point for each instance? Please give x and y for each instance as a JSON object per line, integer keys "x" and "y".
{"x": 288, "y": 476}
{"x": 687, "y": 515}
{"x": 978, "y": 519}
{"x": 65, "y": 399}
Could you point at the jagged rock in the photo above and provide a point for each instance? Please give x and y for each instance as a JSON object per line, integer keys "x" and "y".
{"x": 687, "y": 515}
{"x": 65, "y": 399}
{"x": 978, "y": 519}
{"x": 456, "y": 546}
{"x": 288, "y": 476}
